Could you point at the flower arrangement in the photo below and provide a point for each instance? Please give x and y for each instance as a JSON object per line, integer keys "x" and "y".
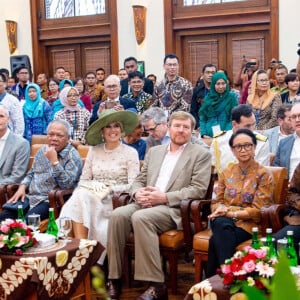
{"x": 15, "y": 237}
{"x": 251, "y": 267}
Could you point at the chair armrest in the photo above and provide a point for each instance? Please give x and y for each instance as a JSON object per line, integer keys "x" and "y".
{"x": 185, "y": 209}
{"x": 200, "y": 210}
{"x": 3, "y": 194}
{"x": 274, "y": 215}
{"x": 120, "y": 199}
{"x": 57, "y": 199}
{"x": 11, "y": 189}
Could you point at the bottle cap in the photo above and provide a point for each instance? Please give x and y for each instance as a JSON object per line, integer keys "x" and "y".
{"x": 20, "y": 206}
{"x": 51, "y": 209}
{"x": 290, "y": 232}
{"x": 269, "y": 230}
{"x": 255, "y": 229}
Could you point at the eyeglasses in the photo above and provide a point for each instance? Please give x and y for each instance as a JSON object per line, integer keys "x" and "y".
{"x": 111, "y": 87}
{"x": 151, "y": 129}
{"x": 295, "y": 117}
{"x": 239, "y": 147}
{"x": 113, "y": 126}
{"x": 263, "y": 80}
{"x": 73, "y": 96}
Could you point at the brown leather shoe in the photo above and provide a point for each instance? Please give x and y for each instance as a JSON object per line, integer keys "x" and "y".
{"x": 156, "y": 291}
{"x": 114, "y": 288}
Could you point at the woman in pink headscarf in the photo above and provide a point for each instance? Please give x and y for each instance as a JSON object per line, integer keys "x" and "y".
{"x": 77, "y": 116}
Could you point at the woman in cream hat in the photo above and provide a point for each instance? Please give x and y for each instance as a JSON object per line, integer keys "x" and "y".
{"x": 110, "y": 167}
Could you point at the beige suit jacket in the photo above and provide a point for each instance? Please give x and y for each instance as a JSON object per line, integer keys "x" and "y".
{"x": 189, "y": 179}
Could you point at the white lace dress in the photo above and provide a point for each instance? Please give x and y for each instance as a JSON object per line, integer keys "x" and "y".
{"x": 104, "y": 172}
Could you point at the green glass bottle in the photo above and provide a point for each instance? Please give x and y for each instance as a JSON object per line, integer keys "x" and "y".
{"x": 270, "y": 244}
{"x": 20, "y": 213}
{"x": 290, "y": 249}
{"x": 52, "y": 227}
{"x": 256, "y": 244}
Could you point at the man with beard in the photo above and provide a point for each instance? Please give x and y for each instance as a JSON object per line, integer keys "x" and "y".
{"x": 201, "y": 90}
{"x": 155, "y": 205}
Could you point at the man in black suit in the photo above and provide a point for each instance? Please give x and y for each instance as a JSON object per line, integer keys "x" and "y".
{"x": 130, "y": 65}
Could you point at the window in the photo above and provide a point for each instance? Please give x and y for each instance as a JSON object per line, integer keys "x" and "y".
{"x": 201, "y": 2}
{"x": 57, "y": 9}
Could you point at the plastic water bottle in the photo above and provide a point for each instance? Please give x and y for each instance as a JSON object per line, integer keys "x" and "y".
{"x": 52, "y": 227}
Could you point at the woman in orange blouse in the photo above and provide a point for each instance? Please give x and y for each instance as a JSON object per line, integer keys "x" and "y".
{"x": 243, "y": 188}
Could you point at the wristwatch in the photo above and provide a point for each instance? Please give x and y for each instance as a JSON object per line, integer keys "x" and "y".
{"x": 234, "y": 216}
{"x": 55, "y": 163}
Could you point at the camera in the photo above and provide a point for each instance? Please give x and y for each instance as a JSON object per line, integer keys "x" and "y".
{"x": 250, "y": 63}
{"x": 109, "y": 104}
{"x": 276, "y": 61}
{"x": 298, "y": 51}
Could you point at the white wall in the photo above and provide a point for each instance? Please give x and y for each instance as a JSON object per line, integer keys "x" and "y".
{"x": 18, "y": 11}
{"x": 152, "y": 50}
{"x": 289, "y": 36}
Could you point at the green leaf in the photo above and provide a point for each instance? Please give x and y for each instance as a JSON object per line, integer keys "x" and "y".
{"x": 284, "y": 283}
{"x": 235, "y": 288}
{"x": 254, "y": 293}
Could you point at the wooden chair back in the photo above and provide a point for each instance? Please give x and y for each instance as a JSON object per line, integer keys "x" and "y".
{"x": 280, "y": 177}
{"x": 39, "y": 139}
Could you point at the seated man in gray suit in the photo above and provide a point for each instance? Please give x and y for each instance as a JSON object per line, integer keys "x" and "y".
{"x": 284, "y": 128}
{"x": 155, "y": 124}
{"x": 171, "y": 172}
{"x": 288, "y": 151}
{"x": 14, "y": 152}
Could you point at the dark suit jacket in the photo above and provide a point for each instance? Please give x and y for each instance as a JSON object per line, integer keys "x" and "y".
{"x": 284, "y": 150}
{"x": 148, "y": 86}
{"x": 127, "y": 103}
{"x": 14, "y": 159}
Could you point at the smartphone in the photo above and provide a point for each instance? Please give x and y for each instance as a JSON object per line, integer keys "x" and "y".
{"x": 109, "y": 104}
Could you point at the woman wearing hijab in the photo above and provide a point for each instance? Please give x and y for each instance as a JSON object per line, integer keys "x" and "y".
{"x": 264, "y": 102}
{"x": 215, "y": 112}
{"x": 110, "y": 167}
{"x": 37, "y": 112}
{"x": 77, "y": 116}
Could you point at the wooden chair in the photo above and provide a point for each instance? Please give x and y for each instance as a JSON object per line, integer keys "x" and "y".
{"x": 201, "y": 209}
{"x": 172, "y": 243}
{"x": 39, "y": 139}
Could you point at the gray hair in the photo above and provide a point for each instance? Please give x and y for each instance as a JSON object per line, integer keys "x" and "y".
{"x": 62, "y": 122}
{"x": 154, "y": 113}
{"x": 112, "y": 77}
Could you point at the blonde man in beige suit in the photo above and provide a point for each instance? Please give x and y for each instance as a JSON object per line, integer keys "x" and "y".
{"x": 171, "y": 172}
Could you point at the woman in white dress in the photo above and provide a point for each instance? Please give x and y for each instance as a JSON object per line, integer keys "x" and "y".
{"x": 110, "y": 167}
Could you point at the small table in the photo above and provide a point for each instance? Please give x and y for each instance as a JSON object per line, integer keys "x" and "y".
{"x": 52, "y": 272}
{"x": 211, "y": 288}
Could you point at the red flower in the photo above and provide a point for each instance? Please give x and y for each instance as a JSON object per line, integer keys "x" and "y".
{"x": 241, "y": 277}
{"x": 228, "y": 278}
{"x": 259, "y": 284}
{"x": 19, "y": 252}
{"x": 236, "y": 265}
{"x": 248, "y": 257}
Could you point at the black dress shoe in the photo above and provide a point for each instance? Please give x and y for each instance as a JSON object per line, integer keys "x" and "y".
{"x": 114, "y": 288}
{"x": 156, "y": 291}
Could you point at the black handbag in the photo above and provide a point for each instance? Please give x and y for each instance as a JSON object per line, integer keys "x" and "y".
{"x": 14, "y": 206}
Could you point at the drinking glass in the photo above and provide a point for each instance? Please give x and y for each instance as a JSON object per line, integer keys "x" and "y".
{"x": 34, "y": 221}
{"x": 281, "y": 245}
{"x": 65, "y": 227}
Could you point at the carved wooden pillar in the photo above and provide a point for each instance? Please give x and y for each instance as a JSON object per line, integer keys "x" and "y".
{"x": 11, "y": 31}
{"x": 139, "y": 14}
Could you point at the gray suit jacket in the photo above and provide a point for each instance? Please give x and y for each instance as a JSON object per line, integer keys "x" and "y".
{"x": 272, "y": 134}
{"x": 284, "y": 150}
{"x": 14, "y": 159}
{"x": 189, "y": 179}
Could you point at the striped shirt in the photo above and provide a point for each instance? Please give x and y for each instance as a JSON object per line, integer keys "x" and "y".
{"x": 43, "y": 177}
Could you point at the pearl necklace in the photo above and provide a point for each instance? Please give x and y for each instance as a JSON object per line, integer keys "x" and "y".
{"x": 109, "y": 150}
